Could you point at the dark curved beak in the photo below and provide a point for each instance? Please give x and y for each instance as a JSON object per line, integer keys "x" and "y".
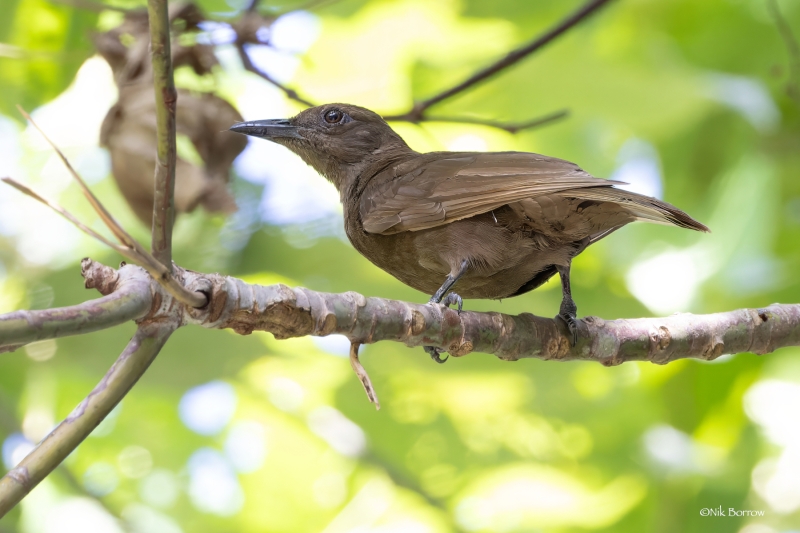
{"x": 270, "y": 129}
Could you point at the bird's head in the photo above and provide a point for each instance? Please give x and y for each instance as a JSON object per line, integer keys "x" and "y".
{"x": 339, "y": 140}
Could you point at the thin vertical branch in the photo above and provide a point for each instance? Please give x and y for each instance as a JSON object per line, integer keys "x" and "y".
{"x": 166, "y": 99}
{"x": 126, "y": 371}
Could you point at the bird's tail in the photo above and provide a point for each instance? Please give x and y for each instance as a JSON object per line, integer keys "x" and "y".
{"x": 642, "y": 207}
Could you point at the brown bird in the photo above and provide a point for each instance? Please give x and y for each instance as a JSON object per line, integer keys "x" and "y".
{"x": 494, "y": 225}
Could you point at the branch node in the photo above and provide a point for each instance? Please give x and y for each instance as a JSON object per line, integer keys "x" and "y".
{"x": 20, "y": 475}
{"x": 659, "y": 339}
{"x": 98, "y": 276}
{"x": 458, "y": 349}
{"x": 203, "y": 286}
{"x": 714, "y": 350}
{"x": 418, "y": 325}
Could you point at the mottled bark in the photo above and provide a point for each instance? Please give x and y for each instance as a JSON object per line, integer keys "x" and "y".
{"x": 287, "y": 312}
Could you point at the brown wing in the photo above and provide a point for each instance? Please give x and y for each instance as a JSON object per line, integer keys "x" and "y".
{"x": 575, "y": 214}
{"x": 439, "y": 188}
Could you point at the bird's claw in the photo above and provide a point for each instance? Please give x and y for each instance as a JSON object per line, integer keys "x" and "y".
{"x": 453, "y": 299}
{"x": 450, "y": 299}
{"x": 572, "y": 325}
{"x": 435, "y": 352}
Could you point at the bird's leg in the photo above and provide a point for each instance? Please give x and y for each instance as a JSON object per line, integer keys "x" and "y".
{"x": 568, "y": 311}
{"x": 448, "y": 283}
{"x": 448, "y": 300}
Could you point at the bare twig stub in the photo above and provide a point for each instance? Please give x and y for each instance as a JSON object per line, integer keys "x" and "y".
{"x": 358, "y": 368}
{"x": 166, "y": 100}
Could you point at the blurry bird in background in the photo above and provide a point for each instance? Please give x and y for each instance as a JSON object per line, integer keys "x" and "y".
{"x": 489, "y": 225}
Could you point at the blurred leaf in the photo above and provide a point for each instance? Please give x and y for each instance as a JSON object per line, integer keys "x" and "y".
{"x": 44, "y": 44}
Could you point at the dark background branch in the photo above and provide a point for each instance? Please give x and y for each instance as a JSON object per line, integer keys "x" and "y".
{"x": 417, "y": 113}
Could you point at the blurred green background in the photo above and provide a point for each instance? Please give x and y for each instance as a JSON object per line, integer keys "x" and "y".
{"x": 694, "y": 102}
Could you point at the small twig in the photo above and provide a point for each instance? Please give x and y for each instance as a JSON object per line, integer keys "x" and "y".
{"x": 248, "y": 65}
{"x": 130, "y": 249}
{"x": 792, "y": 46}
{"x": 358, "y": 368}
{"x": 510, "y": 127}
{"x": 60, "y": 210}
{"x": 109, "y": 220}
{"x": 417, "y": 113}
{"x": 48, "y": 454}
{"x": 166, "y": 101}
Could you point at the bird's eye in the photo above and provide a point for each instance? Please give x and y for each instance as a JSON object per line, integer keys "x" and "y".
{"x": 332, "y": 116}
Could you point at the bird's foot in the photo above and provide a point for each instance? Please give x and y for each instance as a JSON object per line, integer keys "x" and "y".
{"x": 453, "y": 299}
{"x": 435, "y": 354}
{"x": 450, "y": 299}
{"x": 571, "y": 322}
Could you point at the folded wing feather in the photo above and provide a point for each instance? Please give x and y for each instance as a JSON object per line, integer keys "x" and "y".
{"x": 439, "y": 188}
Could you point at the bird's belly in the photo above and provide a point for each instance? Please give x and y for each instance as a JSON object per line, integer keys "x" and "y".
{"x": 500, "y": 261}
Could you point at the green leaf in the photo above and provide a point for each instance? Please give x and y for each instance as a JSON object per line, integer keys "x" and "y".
{"x": 44, "y": 45}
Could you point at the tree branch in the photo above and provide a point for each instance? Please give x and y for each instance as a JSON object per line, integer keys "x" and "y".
{"x": 128, "y": 298}
{"x": 510, "y": 127}
{"x": 248, "y": 65}
{"x": 48, "y": 454}
{"x": 166, "y": 100}
{"x": 286, "y": 312}
{"x": 417, "y": 113}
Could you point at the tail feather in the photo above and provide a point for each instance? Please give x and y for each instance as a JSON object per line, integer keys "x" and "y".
{"x": 640, "y": 207}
